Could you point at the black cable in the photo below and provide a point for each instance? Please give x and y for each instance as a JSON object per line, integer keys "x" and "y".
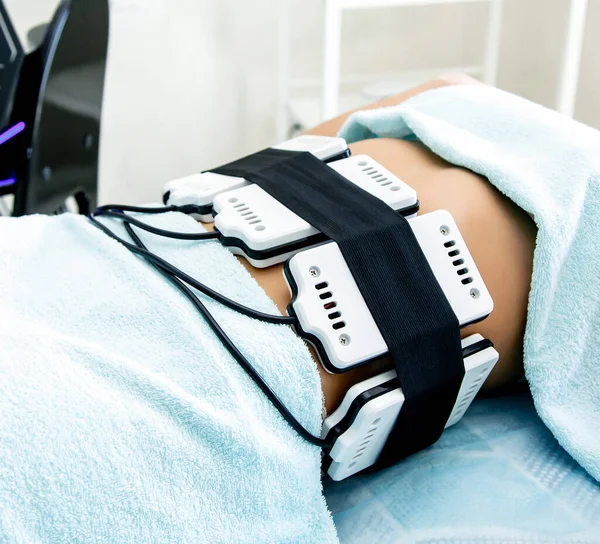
{"x": 205, "y": 235}
{"x": 222, "y": 335}
{"x": 171, "y": 269}
{"x": 189, "y": 208}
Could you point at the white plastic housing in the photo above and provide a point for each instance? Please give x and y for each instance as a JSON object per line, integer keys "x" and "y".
{"x": 477, "y": 368}
{"x": 201, "y": 189}
{"x": 361, "y": 444}
{"x": 354, "y": 392}
{"x": 372, "y": 177}
{"x": 333, "y": 315}
{"x": 260, "y": 222}
{"x": 322, "y": 147}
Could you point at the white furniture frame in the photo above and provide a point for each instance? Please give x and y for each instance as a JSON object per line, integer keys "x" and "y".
{"x": 571, "y": 61}
{"x": 334, "y": 10}
{"x": 331, "y": 77}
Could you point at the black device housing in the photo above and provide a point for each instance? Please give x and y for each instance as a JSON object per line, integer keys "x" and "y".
{"x": 56, "y": 90}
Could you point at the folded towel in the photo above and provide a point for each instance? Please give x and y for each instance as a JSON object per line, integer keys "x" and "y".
{"x": 548, "y": 165}
{"x": 123, "y": 418}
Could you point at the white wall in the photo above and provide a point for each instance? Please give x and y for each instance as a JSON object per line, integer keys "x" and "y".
{"x": 588, "y": 104}
{"x": 26, "y": 14}
{"x": 191, "y": 83}
{"x": 173, "y": 97}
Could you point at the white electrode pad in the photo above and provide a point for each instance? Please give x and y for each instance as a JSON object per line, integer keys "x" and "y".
{"x": 333, "y": 315}
{"x": 254, "y": 224}
{"x": 322, "y": 147}
{"x": 201, "y": 189}
{"x": 366, "y": 416}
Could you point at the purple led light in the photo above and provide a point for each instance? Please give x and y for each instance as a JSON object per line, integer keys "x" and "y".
{"x": 7, "y": 182}
{"x": 12, "y": 132}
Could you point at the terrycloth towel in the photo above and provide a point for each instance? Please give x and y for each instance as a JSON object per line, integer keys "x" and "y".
{"x": 122, "y": 417}
{"x": 548, "y": 165}
{"x": 497, "y": 477}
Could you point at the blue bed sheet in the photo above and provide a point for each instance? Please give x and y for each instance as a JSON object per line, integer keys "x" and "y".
{"x": 499, "y": 476}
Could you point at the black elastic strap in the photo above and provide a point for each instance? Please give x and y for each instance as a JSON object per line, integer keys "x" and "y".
{"x": 394, "y": 277}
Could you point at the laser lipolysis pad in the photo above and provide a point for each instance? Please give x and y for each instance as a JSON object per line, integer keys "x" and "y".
{"x": 332, "y": 314}
{"x": 360, "y": 427}
{"x": 201, "y": 189}
{"x": 255, "y": 225}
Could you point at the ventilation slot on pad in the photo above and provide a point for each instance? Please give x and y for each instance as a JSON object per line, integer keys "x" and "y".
{"x": 378, "y": 177}
{"x": 330, "y": 306}
{"x": 366, "y": 440}
{"x": 469, "y": 396}
{"x": 248, "y": 214}
{"x": 461, "y": 270}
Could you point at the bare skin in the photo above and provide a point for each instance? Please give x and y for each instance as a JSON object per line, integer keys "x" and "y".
{"x": 500, "y": 236}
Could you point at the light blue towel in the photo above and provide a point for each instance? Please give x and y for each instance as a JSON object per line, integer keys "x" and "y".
{"x": 123, "y": 419}
{"x": 497, "y": 477}
{"x": 549, "y": 165}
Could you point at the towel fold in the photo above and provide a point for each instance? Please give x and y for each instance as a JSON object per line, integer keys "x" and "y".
{"x": 549, "y": 165}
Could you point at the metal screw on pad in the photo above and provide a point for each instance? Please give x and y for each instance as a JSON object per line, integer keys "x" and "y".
{"x": 344, "y": 339}
{"x": 314, "y": 272}
{"x": 444, "y": 230}
{"x": 474, "y": 293}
